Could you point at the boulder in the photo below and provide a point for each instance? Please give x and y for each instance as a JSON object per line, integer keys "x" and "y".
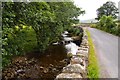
{"x": 69, "y": 55}
{"x": 76, "y": 60}
{"x": 64, "y": 35}
{"x": 71, "y": 48}
{"x": 68, "y": 75}
{"x": 66, "y": 32}
{"x": 74, "y": 68}
{"x": 80, "y": 51}
{"x": 84, "y": 37}
{"x": 79, "y": 48}
{"x": 67, "y": 39}
{"x": 85, "y": 46}
{"x": 55, "y": 43}
{"x": 83, "y": 51}
{"x": 85, "y": 40}
{"x": 81, "y": 55}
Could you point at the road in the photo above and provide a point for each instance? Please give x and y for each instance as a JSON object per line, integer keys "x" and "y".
{"x": 106, "y": 47}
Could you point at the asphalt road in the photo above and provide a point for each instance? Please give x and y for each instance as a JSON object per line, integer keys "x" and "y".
{"x": 106, "y": 47}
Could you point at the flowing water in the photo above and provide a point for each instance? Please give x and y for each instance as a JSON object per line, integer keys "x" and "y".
{"x": 39, "y": 66}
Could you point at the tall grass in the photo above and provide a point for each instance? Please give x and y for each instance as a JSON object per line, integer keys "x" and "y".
{"x": 93, "y": 68}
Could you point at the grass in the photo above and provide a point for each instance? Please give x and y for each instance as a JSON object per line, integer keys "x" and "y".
{"x": 93, "y": 68}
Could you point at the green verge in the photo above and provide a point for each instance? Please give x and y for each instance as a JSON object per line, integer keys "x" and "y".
{"x": 93, "y": 68}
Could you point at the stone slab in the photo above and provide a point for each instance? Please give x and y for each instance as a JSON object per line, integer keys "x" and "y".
{"x": 76, "y": 60}
{"x": 69, "y": 75}
{"x": 74, "y": 68}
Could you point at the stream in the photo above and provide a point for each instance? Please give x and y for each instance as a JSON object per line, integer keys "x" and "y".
{"x": 47, "y": 65}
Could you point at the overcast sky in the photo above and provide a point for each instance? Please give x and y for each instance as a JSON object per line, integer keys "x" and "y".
{"x": 90, "y": 7}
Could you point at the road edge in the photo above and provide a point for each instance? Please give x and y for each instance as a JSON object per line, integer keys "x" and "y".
{"x": 93, "y": 67}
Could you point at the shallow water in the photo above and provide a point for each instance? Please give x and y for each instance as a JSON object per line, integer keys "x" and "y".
{"x": 42, "y": 66}
{"x": 54, "y": 54}
{"x": 47, "y": 65}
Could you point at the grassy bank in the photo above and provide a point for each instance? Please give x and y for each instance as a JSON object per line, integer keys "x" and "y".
{"x": 93, "y": 69}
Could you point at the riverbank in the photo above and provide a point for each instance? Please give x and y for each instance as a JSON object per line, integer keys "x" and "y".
{"x": 35, "y": 65}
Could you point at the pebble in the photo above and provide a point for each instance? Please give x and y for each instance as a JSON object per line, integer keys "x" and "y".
{"x": 45, "y": 70}
{"x": 9, "y": 74}
{"x": 20, "y": 71}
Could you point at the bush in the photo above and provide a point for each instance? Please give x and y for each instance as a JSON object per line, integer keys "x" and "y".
{"x": 75, "y": 31}
{"x": 17, "y": 41}
{"x": 93, "y": 25}
{"x": 108, "y": 24}
{"x": 118, "y": 29}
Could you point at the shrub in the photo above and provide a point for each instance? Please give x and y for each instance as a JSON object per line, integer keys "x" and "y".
{"x": 93, "y": 25}
{"x": 17, "y": 41}
{"x": 118, "y": 29}
{"x": 108, "y": 24}
{"x": 75, "y": 31}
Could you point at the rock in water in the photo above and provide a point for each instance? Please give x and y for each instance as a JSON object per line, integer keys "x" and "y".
{"x": 67, "y": 39}
{"x": 65, "y": 32}
{"x": 64, "y": 35}
{"x": 71, "y": 48}
{"x": 56, "y": 43}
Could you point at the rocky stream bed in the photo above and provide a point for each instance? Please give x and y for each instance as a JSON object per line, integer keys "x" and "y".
{"x": 36, "y": 66}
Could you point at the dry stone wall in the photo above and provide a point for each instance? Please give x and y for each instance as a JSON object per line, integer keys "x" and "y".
{"x": 78, "y": 63}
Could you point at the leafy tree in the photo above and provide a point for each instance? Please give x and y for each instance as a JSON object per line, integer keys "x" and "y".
{"x": 108, "y": 24}
{"x": 48, "y": 19}
{"x": 45, "y": 22}
{"x": 107, "y": 9}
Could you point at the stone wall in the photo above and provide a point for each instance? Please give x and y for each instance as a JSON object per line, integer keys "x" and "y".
{"x": 78, "y": 63}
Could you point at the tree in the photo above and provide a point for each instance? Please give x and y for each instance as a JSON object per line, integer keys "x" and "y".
{"x": 48, "y": 19}
{"x": 107, "y": 9}
{"x": 107, "y": 23}
{"x": 45, "y": 21}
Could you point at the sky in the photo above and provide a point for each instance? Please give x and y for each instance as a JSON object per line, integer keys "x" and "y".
{"x": 90, "y": 7}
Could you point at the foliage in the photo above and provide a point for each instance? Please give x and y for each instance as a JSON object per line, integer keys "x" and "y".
{"x": 75, "y": 31}
{"x": 43, "y": 23}
{"x": 93, "y": 25}
{"x": 117, "y": 30}
{"x": 46, "y": 19}
{"x": 93, "y": 68}
{"x": 17, "y": 41}
{"x": 108, "y": 24}
{"x": 107, "y": 9}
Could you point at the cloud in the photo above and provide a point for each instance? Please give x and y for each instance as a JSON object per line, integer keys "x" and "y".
{"x": 90, "y": 6}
